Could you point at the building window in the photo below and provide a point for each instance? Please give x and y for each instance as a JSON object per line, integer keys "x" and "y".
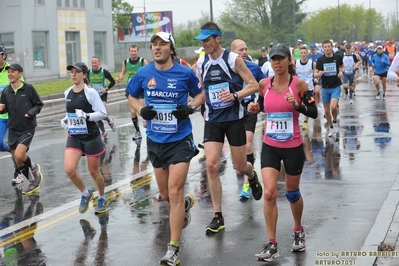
{"x": 99, "y": 4}
{"x": 39, "y": 2}
{"x": 59, "y": 3}
{"x": 72, "y": 42}
{"x": 7, "y": 40}
{"x": 40, "y": 50}
{"x": 67, "y": 3}
{"x": 99, "y": 45}
{"x": 82, "y": 4}
{"x": 75, "y": 3}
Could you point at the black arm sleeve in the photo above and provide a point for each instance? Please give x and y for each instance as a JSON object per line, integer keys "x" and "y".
{"x": 260, "y": 102}
{"x": 308, "y": 107}
{"x": 111, "y": 80}
{"x": 309, "y": 110}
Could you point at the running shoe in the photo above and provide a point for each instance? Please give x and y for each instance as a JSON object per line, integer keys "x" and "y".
{"x": 137, "y": 135}
{"x": 330, "y": 132}
{"x": 216, "y": 225}
{"x": 335, "y": 129}
{"x": 171, "y": 257}
{"x": 88, "y": 231}
{"x": 377, "y": 97}
{"x": 188, "y": 204}
{"x": 256, "y": 187}
{"x": 299, "y": 241}
{"x": 245, "y": 191}
{"x": 84, "y": 202}
{"x": 305, "y": 125}
{"x": 345, "y": 96}
{"x": 101, "y": 206}
{"x": 112, "y": 124}
{"x": 383, "y": 97}
{"x": 350, "y": 101}
{"x": 268, "y": 253}
{"x": 18, "y": 179}
{"x": 34, "y": 185}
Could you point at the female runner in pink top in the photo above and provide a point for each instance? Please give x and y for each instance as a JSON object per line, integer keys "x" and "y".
{"x": 283, "y": 97}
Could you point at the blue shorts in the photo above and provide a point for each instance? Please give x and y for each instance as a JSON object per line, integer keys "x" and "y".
{"x": 329, "y": 93}
{"x": 350, "y": 78}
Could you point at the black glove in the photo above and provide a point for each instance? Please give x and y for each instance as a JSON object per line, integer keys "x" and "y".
{"x": 182, "y": 112}
{"x": 147, "y": 113}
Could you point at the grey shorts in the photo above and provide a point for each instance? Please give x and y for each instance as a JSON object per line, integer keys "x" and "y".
{"x": 89, "y": 147}
{"x": 20, "y": 137}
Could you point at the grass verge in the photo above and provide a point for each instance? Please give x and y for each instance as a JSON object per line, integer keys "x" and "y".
{"x": 56, "y": 86}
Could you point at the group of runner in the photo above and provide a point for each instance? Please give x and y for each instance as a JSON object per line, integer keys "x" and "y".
{"x": 166, "y": 91}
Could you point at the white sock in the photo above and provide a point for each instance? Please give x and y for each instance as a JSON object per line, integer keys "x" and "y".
{"x": 86, "y": 192}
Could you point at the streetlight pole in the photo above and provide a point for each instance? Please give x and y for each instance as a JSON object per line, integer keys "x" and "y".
{"x": 145, "y": 26}
{"x": 339, "y": 24}
{"x": 293, "y": 17}
{"x": 371, "y": 32}
{"x": 397, "y": 27}
{"x": 211, "y": 6}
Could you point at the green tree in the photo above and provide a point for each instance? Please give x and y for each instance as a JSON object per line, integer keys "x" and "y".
{"x": 356, "y": 23}
{"x": 259, "y": 22}
{"x": 121, "y": 14}
{"x": 184, "y": 33}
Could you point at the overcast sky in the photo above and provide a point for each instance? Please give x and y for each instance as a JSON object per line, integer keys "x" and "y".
{"x": 184, "y": 10}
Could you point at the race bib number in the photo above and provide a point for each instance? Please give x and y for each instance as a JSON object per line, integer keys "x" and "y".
{"x": 330, "y": 69}
{"x": 280, "y": 126}
{"x": 308, "y": 79}
{"x": 214, "y": 91}
{"x": 76, "y": 125}
{"x": 362, "y": 53}
{"x": 348, "y": 70}
{"x": 164, "y": 121}
{"x": 98, "y": 88}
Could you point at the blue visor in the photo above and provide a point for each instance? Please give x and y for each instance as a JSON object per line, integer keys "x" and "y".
{"x": 206, "y": 33}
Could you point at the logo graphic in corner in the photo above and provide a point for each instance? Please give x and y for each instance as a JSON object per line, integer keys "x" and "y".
{"x": 152, "y": 84}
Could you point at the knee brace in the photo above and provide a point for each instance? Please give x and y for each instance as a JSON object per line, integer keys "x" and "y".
{"x": 293, "y": 196}
{"x": 251, "y": 158}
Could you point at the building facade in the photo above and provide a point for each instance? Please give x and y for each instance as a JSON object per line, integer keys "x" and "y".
{"x": 44, "y": 36}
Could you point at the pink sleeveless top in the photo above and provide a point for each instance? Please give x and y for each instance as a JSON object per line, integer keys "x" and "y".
{"x": 282, "y": 120}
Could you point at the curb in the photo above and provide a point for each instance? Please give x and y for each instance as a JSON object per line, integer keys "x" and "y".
{"x": 385, "y": 230}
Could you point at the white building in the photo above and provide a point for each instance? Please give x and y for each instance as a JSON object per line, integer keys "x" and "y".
{"x": 44, "y": 36}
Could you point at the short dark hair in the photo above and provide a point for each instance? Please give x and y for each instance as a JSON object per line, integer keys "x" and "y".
{"x": 211, "y": 26}
{"x": 134, "y": 46}
{"x": 327, "y": 41}
{"x": 96, "y": 57}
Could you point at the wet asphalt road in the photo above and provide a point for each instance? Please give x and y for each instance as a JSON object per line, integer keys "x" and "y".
{"x": 344, "y": 185}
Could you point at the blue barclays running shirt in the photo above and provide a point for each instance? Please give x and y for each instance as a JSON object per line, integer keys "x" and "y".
{"x": 164, "y": 90}
{"x": 218, "y": 75}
